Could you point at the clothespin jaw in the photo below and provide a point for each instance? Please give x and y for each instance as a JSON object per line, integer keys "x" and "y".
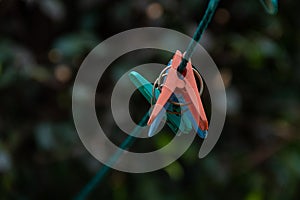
{"x": 187, "y": 113}
{"x": 184, "y": 84}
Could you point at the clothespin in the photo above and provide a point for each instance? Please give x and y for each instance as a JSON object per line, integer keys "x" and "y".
{"x": 186, "y": 122}
{"x": 184, "y": 84}
{"x": 173, "y": 121}
{"x": 186, "y": 114}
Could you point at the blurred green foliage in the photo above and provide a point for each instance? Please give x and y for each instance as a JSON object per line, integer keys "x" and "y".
{"x": 42, "y": 44}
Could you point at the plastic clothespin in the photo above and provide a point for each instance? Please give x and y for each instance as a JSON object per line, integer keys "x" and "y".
{"x": 173, "y": 121}
{"x": 169, "y": 107}
{"x": 186, "y": 114}
{"x": 176, "y": 83}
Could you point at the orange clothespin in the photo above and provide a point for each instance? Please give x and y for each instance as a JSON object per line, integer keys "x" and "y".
{"x": 184, "y": 84}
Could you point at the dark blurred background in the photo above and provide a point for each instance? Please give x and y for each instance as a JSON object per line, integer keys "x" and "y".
{"x": 42, "y": 44}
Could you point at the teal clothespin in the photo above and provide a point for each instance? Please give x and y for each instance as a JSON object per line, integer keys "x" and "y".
{"x": 145, "y": 87}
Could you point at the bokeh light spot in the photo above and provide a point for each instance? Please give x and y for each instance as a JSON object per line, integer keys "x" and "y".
{"x": 154, "y": 11}
{"x": 222, "y": 16}
{"x": 54, "y": 55}
{"x": 62, "y": 73}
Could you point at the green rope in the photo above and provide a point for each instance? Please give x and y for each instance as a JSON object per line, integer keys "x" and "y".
{"x": 271, "y": 7}
{"x": 212, "y": 6}
{"x": 105, "y": 168}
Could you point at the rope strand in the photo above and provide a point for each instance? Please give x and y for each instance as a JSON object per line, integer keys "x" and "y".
{"x": 105, "y": 168}
{"x": 212, "y": 6}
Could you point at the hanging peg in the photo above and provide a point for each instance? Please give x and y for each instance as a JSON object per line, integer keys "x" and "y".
{"x": 184, "y": 84}
{"x": 146, "y": 88}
